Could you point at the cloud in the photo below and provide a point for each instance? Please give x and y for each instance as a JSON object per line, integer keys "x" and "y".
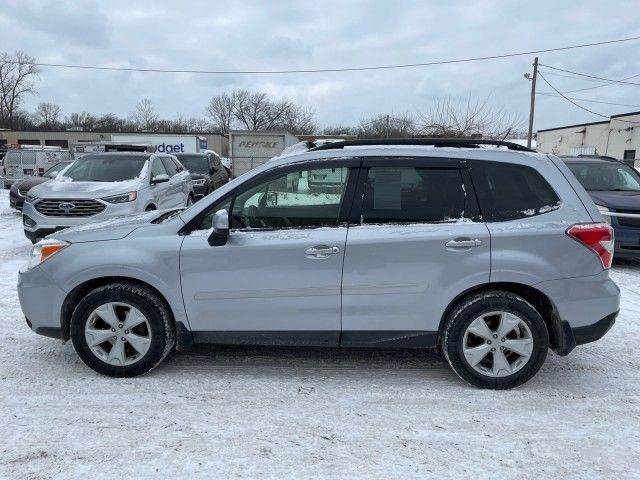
{"x": 199, "y": 34}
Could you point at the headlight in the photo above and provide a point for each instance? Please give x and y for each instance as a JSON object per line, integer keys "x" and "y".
{"x": 44, "y": 250}
{"x": 606, "y": 213}
{"x": 123, "y": 198}
{"x": 199, "y": 182}
{"x": 30, "y": 197}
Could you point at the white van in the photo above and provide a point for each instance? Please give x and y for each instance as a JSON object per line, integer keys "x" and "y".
{"x": 23, "y": 161}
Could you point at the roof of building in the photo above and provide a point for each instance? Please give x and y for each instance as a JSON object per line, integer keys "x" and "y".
{"x": 573, "y": 126}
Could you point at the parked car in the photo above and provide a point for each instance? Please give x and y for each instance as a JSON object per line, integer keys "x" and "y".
{"x": 615, "y": 188}
{"x": 493, "y": 255}
{"x": 101, "y": 186}
{"x": 25, "y": 161}
{"x": 207, "y": 173}
{"x": 226, "y": 162}
{"x": 19, "y": 189}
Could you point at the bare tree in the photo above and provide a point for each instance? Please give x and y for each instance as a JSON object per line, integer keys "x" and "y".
{"x": 297, "y": 119}
{"x": 83, "y": 120}
{"x": 145, "y": 115}
{"x": 387, "y": 126}
{"x": 47, "y": 115}
{"x": 17, "y": 78}
{"x": 255, "y": 111}
{"x": 339, "y": 130}
{"x": 466, "y": 118}
{"x": 221, "y": 111}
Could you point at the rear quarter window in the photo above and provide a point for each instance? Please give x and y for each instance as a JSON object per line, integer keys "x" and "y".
{"x": 510, "y": 192}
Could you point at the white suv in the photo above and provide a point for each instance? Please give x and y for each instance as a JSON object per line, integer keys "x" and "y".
{"x": 101, "y": 186}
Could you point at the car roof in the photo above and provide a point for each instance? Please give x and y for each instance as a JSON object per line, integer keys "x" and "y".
{"x": 589, "y": 159}
{"x": 121, "y": 154}
{"x": 386, "y": 150}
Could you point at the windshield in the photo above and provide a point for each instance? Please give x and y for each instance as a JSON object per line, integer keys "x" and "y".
{"x": 194, "y": 163}
{"x": 53, "y": 171}
{"x": 105, "y": 168}
{"x": 606, "y": 176}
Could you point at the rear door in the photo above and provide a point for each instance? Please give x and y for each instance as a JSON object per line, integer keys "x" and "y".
{"x": 416, "y": 244}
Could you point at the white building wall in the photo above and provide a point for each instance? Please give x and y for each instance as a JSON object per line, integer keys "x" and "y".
{"x": 610, "y": 138}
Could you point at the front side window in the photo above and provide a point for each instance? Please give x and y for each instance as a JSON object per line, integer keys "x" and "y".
{"x": 289, "y": 201}
{"x": 283, "y": 202}
{"x": 413, "y": 195}
{"x": 157, "y": 168}
{"x": 509, "y": 191}
{"x": 105, "y": 168}
{"x": 169, "y": 166}
{"x": 53, "y": 171}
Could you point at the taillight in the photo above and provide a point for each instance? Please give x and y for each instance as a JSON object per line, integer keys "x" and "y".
{"x": 596, "y": 236}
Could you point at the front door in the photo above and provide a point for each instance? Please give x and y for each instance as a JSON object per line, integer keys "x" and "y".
{"x": 419, "y": 244}
{"x": 277, "y": 279}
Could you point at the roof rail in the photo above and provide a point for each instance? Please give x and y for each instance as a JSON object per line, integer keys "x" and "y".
{"x": 433, "y": 142}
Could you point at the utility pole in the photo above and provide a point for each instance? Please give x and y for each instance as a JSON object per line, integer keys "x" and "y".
{"x": 533, "y": 100}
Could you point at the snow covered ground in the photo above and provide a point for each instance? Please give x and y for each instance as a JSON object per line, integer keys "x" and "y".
{"x": 274, "y": 412}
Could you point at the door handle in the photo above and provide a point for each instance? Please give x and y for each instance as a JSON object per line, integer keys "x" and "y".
{"x": 321, "y": 251}
{"x": 463, "y": 243}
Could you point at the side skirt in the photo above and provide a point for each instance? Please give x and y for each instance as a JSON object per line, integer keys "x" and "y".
{"x": 321, "y": 338}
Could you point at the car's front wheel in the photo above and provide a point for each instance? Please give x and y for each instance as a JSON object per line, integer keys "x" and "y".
{"x": 122, "y": 330}
{"x": 495, "y": 339}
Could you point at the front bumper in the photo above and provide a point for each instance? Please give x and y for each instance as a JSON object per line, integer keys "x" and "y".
{"x": 40, "y": 225}
{"x": 41, "y": 301}
{"x": 15, "y": 199}
{"x": 627, "y": 242}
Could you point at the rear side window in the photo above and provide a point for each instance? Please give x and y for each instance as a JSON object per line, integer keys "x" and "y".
{"x": 510, "y": 192}
{"x": 413, "y": 195}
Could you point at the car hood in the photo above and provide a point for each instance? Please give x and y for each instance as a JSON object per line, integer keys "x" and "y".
{"x": 60, "y": 188}
{"x": 112, "y": 229}
{"x": 617, "y": 200}
{"x": 32, "y": 182}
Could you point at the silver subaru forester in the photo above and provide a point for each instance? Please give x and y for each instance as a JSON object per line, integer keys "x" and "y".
{"x": 494, "y": 255}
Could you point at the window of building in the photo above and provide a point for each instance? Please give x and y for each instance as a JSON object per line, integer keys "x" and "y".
{"x": 629, "y": 154}
{"x": 57, "y": 143}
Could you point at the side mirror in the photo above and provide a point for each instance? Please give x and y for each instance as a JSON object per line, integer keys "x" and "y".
{"x": 163, "y": 177}
{"x": 220, "y": 233}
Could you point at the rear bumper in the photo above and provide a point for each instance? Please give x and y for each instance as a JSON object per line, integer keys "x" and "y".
{"x": 572, "y": 337}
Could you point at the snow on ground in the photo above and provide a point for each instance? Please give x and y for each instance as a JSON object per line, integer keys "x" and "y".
{"x": 276, "y": 412}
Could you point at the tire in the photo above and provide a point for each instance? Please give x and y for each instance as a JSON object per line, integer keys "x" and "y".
{"x": 150, "y": 208}
{"x": 159, "y": 326}
{"x": 462, "y": 344}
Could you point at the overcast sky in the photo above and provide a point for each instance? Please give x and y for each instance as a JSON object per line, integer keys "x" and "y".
{"x": 243, "y": 35}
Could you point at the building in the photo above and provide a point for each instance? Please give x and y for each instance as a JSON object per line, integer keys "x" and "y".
{"x": 216, "y": 142}
{"x": 617, "y": 137}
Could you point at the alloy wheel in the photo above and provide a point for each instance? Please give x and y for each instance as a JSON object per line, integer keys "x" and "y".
{"x": 497, "y": 344}
{"x": 118, "y": 333}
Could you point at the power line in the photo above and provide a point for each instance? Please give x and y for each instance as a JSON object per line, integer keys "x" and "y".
{"x": 330, "y": 70}
{"x": 604, "y": 85}
{"x": 549, "y": 94}
{"x": 580, "y": 106}
{"x": 592, "y": 76}
{"x": 574, "y": 77}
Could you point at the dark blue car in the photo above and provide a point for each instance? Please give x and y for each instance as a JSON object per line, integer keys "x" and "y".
{"x": 615, "y": 189}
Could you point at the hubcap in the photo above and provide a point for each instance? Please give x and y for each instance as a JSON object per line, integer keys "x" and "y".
{"x": 497, "y": 344}
{"x": 118, "y": 333}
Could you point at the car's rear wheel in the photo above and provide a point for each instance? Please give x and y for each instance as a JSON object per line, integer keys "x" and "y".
{"x": 495, "y": 340}
{"x": 122, "y": 330}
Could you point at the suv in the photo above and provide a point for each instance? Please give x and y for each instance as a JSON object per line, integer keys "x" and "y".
{"x": 615, "y": 188}
{"x": 207, "y": 172}
{"x": 492, "y": 255}
{"x": 101, "y": 186}
{"x": 19, "y": 189}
